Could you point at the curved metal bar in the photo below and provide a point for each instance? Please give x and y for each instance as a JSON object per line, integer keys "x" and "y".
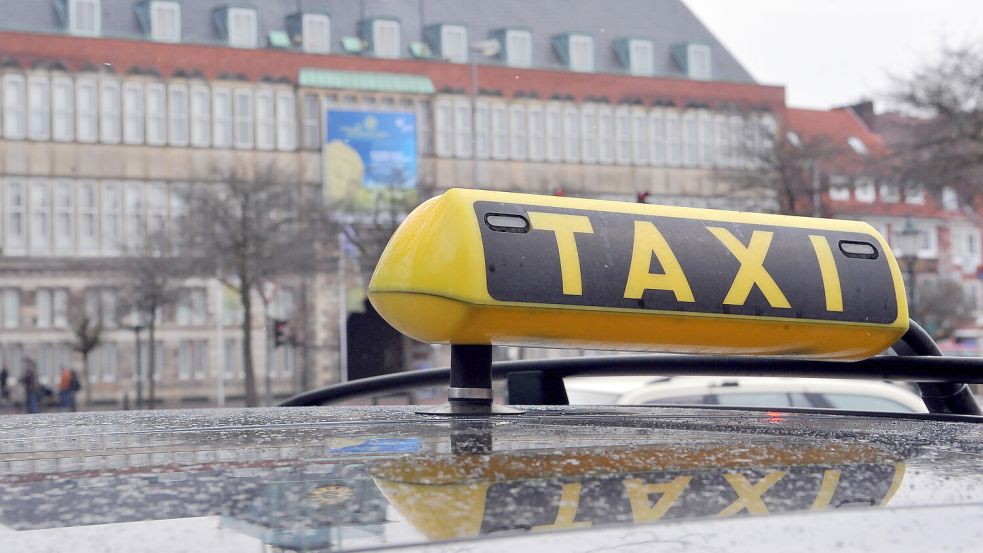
{"x": 939, "y": 397}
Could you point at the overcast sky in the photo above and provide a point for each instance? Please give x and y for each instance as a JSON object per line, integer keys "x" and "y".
{"x": 833, "y": 52}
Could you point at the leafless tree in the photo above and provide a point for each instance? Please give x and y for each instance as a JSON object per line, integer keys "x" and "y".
{"x": 942, "y": 142}
{"x": 250, "y": 227}
{"x": 88, "y": 336}
{"x": 942, "y": 306}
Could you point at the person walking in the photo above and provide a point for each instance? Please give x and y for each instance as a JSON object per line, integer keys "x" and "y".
{"x": 32, "y": 391}
{"x": 4, "y": 390}
{"x": 67, "y": 388}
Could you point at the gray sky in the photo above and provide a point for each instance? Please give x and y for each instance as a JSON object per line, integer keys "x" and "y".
{"x": 833, "y": 52}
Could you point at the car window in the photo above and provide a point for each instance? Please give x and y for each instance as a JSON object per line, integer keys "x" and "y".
{"x": 754, "y": 399}
{"x": 863, "y": 403}
{"x": 683, "y": 400}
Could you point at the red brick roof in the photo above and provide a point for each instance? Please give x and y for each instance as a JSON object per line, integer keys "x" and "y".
{"x": 836, "y": 124}
{"x": 257, "y": 63}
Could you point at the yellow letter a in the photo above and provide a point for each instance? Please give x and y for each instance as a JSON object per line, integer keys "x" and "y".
{"x": 648, "y": 241}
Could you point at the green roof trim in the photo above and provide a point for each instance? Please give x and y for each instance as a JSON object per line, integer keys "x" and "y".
{"x": 279, "y": 39}
{"x": 366, "y": 81}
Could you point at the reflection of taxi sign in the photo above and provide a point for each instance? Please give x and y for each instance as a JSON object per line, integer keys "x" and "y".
{"x": 476, "y": 267}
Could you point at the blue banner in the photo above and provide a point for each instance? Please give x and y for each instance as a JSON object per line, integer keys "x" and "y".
{"x": 372, "y": 149}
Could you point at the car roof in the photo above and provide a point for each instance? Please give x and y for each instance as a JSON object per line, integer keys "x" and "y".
{"x": 307, "y": 477}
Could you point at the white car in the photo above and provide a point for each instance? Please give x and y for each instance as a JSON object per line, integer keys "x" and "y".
{"x": 826, "y": 393}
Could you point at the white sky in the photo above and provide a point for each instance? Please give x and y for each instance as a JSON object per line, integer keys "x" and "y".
{"x": 834, "y": 52}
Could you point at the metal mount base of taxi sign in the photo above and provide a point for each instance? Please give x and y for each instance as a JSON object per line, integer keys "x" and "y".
{"x": 461, "y": 409}
{"x": 470, "y": 390}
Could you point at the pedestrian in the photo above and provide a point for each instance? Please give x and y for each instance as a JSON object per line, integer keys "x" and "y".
{"x": 4, "y": 391}
{"x": 32, "y": 391}
{"x": 67, "y": 387}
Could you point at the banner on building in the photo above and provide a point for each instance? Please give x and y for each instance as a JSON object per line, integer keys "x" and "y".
{"x": 368, "y": 154}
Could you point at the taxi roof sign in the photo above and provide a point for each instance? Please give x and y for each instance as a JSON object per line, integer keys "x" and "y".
{"x": 479, "y": 267}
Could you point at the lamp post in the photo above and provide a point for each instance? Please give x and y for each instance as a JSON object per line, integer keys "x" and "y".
{"x": 908, "y": 242}
{"x": 486, "y": 49}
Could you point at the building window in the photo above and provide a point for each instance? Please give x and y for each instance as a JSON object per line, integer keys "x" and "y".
{"x": 265, "y": 120}
{"x": 201, "y": 121}
{"x": 950, "y": 199}
{"x": 537, "y": 147}
{"x": 286, "y": 121}
{"x": 233, "y": 351}
{"x": 641, "y": 57}
{"x": 316, "y": 33}
{"x": 581, "y": 52}
{"x": 571, "y": 134}
{"x": 639, "y": 138}
{"x": 86, "y": 111}
{"x": 915, "y": 195}
{"x": 605, "y": 134}
{"x": 500, "y": 131}
{"x": 588, "y": 134}
{"x": 554, "y": 133}
{"x": 454, "y": 43}
{"x": 699, "y": 64}
{"x": 518, "y": 126}
{"x": 156, "y": 206}
{"x": 657, "y": 132}
{"x": 165, "y": 21}
{"x": 184, "y": 360}
{"x": 52, "y": 307}
{"x": 622, "y": 129}
{"x": 40, "y": 237}
{"x": 88, "y": 230}
{"x": 84, "y": 17}
{"x": 191, "y": 310}
{"x": 864, "y": 190}
{"x": 312, "y": 122}
{"x": 110, "y": 112}
{"x": 156, "y": 115}
{"x": 674, "y": 146}
{"x": 242, "y": 28}
{"x": 100, "y": 306}
{"x": 481, "y": 137}
{"x": 708, "y": 144}
{"x": 724, "y": 142}
{"x": 63, "y": 109}
{"x": 518, "y": 48}
{"x": 200, "y": 359}
{"x": 857, "y": 146}
{"x": 242, "y": 108}
{"x": 890, "y": 193}
{"x": 839, "y": 188}
{"x": 385, "y": 38}
{"x": 112, "y": 215}
{"x": 221, "y": 118}
{"x": 11, "y": 307}
{"x": 133, "y": 113}
{"x": 445, "y": 129}
{"x": 14, "y": 107}
{"x": 64, "y": 216}
{"x": 177, "y": 114}
{"x": 462, "y": 128}
{"x": 738, "y": 141}
{"x": 691, "y": 147}
{"x": 424, "y": 127}
{"x": 38, "y": 108}
{"x": 135, "y": 217}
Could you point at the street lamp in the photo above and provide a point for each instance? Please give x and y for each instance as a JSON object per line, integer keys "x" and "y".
{"x": 908, "y": 241}
{"x": 486, "y": 49}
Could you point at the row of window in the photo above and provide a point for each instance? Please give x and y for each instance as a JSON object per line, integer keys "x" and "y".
{"x": 104, "y": 109}
{"x": 238, "y": 25}
{"x": 864, "y": 190}
{"x": 599, "y": 133}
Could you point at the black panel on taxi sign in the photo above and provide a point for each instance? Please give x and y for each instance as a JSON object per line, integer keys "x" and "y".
{"x": 633, "y": 261}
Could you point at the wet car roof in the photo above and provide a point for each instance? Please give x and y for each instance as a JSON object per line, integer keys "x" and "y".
{"x": 350, "y": 478}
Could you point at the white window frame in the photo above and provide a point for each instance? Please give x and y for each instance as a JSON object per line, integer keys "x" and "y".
{"x": 315, "y": 29}
{"x": 518, "y": 132}
{"x": 518, "y": 48}
{"x": 639, "y": 137}
{"x": 14, "y": 107}
{"x": 657, "y": 137}
{"x": 39, "y": 228}
{"x": 839, "y": 188}
{"x": 133, "y": 113}
{"x": 178, "y": 114}
{"x": 691, "y": 138}
{"x": 915, "y": 195}
{"x": 623, "y": 136}
{"x": 111, "y": 217}
{"x": 38, "y": 107}
{"x": 641, "y": 57}
{"x": 554, "y": 132}
{"x": 864, "y": 190}
{"x": 157, "y": 31}
{"x": 674, "y": 138}
{"x": 388, "y": 50}
{"x": 950, "y": 199}
{"x": 200, "y": 108}
{"x": 286, "y": 121}
{"x": 222, "y": 126}
{"x": 155, "y": 100}
{"x": 10, "y": 308}
{"x": 444, "y": 122}
{"x": 576, "y": 62}
{"x": 243, "y": 118}
{"x": 64, "y": 216}
{"x": 73, "y": 18}
{"x": 724, "y": 140}
{"x": 707, "y": 139}
{"x": 264, "y": 112}
{"x": 482, "y": 137}
{"x": 242, "y": 38}
{"x": 499, "y": 130}
{"x": 571, "y": 134}
{"x": 605, "y": 135}
{"x": 738, "y": 137}
{"x": 537, "y": 132}
{"x": 42, "y": 308}
{"x": 889, "y": 193}
{"x": 156, "y": 206}
{"x": 88, "y": 238}
{"x": 110, "y": 112}
{"x": 135, "y": 219}
{"x": 455, "y": 36}
{"x": 588, "y": 133}
{"x": 462, "y": 128}
{"x": 62, "y": 109}
{"x": 86, "y": 112}
{"x": 699, "y": 62}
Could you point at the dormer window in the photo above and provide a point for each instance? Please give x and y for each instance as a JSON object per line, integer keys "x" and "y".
{"x": 84, "y": 17}
{"x": 857, "y": 146}
{"x": 518, "y": 48}
{"x": 576, "y": 51}
{"x": 238, "y": 26}
{"x": 165, "y": 21}
{"x": 695, "y": 60}
{"x": 316, "y": 33}
{"x": 454, "y": 43}
{"x": 383, "y": 37}
{"x": 637, "y": 55}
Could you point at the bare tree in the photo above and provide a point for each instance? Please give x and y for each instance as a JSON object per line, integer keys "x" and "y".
{"x": 88, "y": 336}
{"x": 250, "y": 227}
{"x": 150, "y": 273}
{"x": 942, "y": 306}
{"x": 941, "y": 143}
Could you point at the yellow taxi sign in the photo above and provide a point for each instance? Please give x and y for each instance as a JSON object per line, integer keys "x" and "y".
{"x": 480, "y": 267}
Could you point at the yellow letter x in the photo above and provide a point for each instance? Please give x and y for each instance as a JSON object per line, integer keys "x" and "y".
{"x": 752, "y": 271}
{"x": 748, "y": 496}
{"x": 563, "y": 228}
